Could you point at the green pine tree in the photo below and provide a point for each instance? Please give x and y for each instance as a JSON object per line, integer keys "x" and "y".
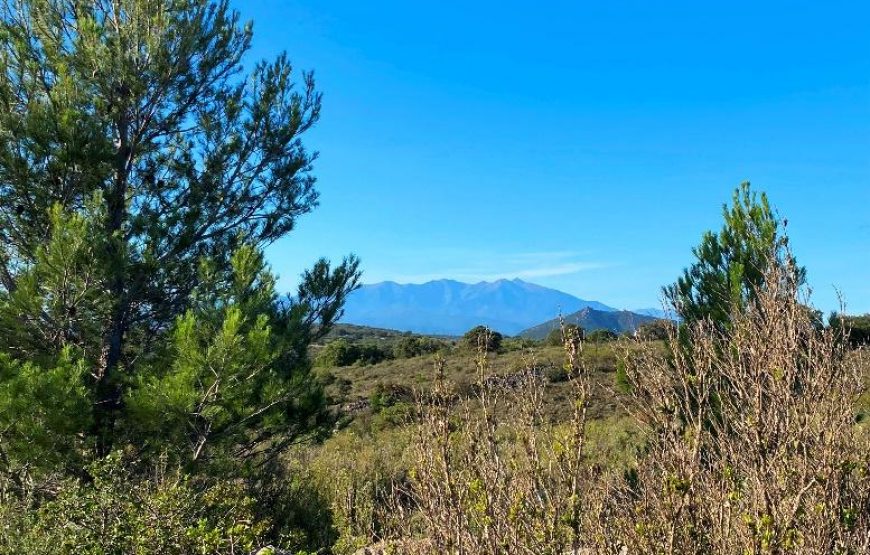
{"x": 142, "y": 171}
{"x": 730, "y": 265}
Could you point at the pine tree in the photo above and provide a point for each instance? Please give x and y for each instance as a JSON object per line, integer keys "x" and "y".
{"x": 142, "y": 171}
{"x": 730, "y": 265}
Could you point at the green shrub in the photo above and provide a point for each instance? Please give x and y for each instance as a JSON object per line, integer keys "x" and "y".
{"x": 388, "y": 395}
{"x": 556, "y": 374}
{"x": 621, "y": 380}
{"x": 412, "y": 346}
{"x": 341, "y": 352}
{"x": 121, "y": 512}
{"x": 357, "y": 473}
{"x": 518, "y": 343}
{"x": 367, "y": 354}
{"x": 555, "y": 337}
{"x": 336, "y": 353}
{"x": 481, "y": 337}
{"x": 393, "y": 415}
{"x": 601, "y": 336}
{"x": 659, "y": 330}
{"x": 856, "y": 328}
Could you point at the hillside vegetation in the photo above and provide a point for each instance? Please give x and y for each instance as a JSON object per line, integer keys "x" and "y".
{"x": 158, "y": 395}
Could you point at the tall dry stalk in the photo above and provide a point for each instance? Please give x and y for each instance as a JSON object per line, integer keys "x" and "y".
{"x": 754, "y": 447}
{"x": 492, "y": 475}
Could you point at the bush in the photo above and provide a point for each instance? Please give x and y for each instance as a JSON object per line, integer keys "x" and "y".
{"x": 621, "y": 381}
{"x": 746, "y": 443}
{"x": 388, "y": 395}
{"x": 482, "y": 338}
{"x": 601, "y": 336}
{"x": 557, "y": 374}
{"x": 659, "y": 330}
{"x": 341, "y": 352}
{"x": 357, "y": 475}
{"x": 367, "y": 354}
{"x": 120, "y": 512}
{"x": 856, "y": 328}
{"x": 509, "y": 344}
{"x": 492, "y": 474}
{"x": 555, "y": 337}
{"x": 412, "y": 346}
{"x": 753, "y": 447}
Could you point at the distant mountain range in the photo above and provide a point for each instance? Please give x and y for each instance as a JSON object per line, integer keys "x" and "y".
{"x": 590, "y": 319}
{"x": 448, "y": 307}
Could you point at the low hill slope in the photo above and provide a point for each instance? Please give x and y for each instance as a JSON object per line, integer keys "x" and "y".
{"x": 618, "y": 321}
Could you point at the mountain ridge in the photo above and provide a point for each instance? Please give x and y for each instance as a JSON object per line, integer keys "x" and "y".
{"x": 451, "y": 307}
{"x": 619, "y": 321}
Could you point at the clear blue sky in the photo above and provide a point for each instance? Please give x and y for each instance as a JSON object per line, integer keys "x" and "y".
{"x": 580, "y": 145}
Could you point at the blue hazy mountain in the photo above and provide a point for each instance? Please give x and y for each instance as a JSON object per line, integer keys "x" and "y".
{"x": 451, "y": 307}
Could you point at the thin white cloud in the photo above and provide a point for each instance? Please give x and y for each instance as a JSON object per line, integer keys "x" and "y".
{"x": 484, "y": 267}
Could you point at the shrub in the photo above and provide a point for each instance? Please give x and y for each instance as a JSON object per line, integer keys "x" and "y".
{"x": 388, "y": 395}
{"x": 367, "y": 354}
{"x": 855, "y": 328}
{"x": 601, "y": 335}
{"x": 357, "y": 475}
{"x": 482, "y": 338}
{"x": 492, "y": 475}
{"x": 518, "y": 344}
{"x": 753, "y": 445}
{"x": 412, "y": 346}
{"x": 120, "y": 512}
{"x": 621, "y": 381}
{"x": 659, "y": 330}
{"x": 341, "y": 352}
{"x": 557, "y": 374}
{"x": 336, "y": 353}
{"x": 554, "y": 338}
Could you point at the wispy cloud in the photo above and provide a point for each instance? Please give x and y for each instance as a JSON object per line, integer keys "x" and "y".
{"x": 492, "y": 267}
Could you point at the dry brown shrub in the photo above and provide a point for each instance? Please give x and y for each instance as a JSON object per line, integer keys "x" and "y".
{"x": 492, "y": 475}
{"x": 754, "y": 446}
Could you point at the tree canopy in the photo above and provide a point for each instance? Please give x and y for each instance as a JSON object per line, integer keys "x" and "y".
{"x": 730, "y": 264}
{"x": 143, "y": 169}
{"x": 482, "y": 338}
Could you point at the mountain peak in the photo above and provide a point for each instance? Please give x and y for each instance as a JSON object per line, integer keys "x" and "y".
{"x": 617, "y": 321}
{"x": 452, "y": 307}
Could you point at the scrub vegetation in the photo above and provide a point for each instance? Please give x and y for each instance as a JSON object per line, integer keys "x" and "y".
{"x": 158, "y": 395}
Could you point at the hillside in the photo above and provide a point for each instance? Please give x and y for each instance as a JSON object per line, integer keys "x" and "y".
{"x": 448, "y": 307}
{"x": 590, "y": 319}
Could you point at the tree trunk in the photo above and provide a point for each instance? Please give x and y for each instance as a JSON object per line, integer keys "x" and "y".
{"x": 108, "y": 392}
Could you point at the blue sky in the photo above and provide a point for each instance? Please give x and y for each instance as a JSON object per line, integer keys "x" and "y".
{"x": 580, "y": 145}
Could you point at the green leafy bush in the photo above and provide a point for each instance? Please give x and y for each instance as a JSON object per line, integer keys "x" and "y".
{"x": 481, "y": 337}
{"x": 119, "y": 511}
{"x": 554, "y": 338}
{"x": 600, "y": 336}
{"x": 412, "y": 346}
{"x": 659, "y": 330}
{"x": 621, "y": 380}
{"x": 856, "y": 328}
{"x": 341, "y": 352}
